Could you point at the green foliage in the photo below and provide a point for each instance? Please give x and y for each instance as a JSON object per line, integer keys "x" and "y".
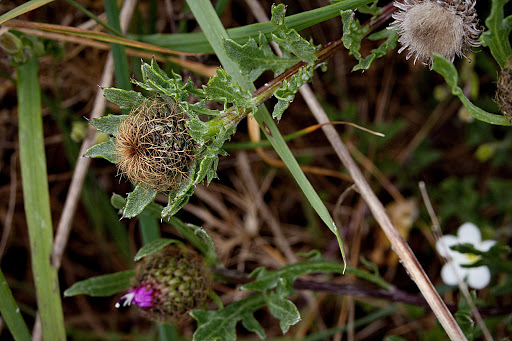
{"x": 108, "y": 124}
{"x": 153, "y": 246}
{"x": 286, "y": 93}
{"x": 354, "y": 33}
{"x": 222, "y": 88}
{"x": 464, "y": 319}
{"x": 498, "y": 32}
{"x": 494, "y": 258}
{"x": 446, "y": 69}
{"x": 104, "y": 150}
{"x": 137, "y": 200}
{"x": 105, "y": 285}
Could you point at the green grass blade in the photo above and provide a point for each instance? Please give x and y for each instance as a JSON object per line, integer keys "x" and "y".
{"x": 215, "y": 32}
{"x": 198, "y": 42}
{"x": 37, "y": 201}
{"x": 21, "y": 9}
{"x": 11, "y": 313}
{"x": 93, "y": 17}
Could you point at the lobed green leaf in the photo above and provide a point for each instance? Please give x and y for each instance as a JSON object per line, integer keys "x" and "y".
{"x": 286, "y": 93}
{"x": 498, "y": 32}
{"x": 105, "y": 285}
{"x": 105, "y": 150}
{"x": 282, "y": 309}
{"x": 222, "y": 88}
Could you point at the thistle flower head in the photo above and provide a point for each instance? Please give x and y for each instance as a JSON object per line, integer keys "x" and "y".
{"x": 153, "y": 146}
{"x": 446, "y": 27}
{"x": 168, "y": 284}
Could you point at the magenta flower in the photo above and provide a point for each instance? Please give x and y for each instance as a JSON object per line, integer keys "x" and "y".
{"x": 140, "y": 296}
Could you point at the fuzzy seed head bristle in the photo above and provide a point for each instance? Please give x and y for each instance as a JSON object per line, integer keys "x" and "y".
{"x": 153, "y": 146}
{"x": 504, "y": 90}
{"x": 447, "y": 27}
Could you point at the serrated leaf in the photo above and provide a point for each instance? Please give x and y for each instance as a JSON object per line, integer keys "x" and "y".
{"x": 222, "y": 88}
{"x": 108, "y": 124}
{"x": 105, "y": 285}
{"x": 288, "y": 39}
{"x": 389, "y": 44}
{"x": 282, "y": 309}
{"x": 446, "y": 69}
{"x": 154, "y": 246}
{"x": 498, "y": 32}
{"x": 125, "y": 99}
{"x": 221, "y": 324}
{"x": 256, "y": 57}
{"x": 105, "y": 150}
{"x": 137, "y": 200}
{"x": 353, "y": 33}
{"x": 286, "y": 93}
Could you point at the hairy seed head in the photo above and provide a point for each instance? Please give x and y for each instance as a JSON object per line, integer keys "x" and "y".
{"x": 446, "y": 27}
{"x": 153, "y": 146}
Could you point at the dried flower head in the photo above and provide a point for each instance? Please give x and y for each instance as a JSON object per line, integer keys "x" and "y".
{"x": 168, "y": 284}
{"x": 153, "y": 146}
{"x": 446, "y": 27}
{"x": 504, "y": 90}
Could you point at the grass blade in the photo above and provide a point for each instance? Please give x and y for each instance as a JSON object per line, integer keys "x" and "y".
{"x": 215, "y": 33}
{"x": 11, "y": 313}
{"x": 21, "y": 9}
{"x": 36, "y": 200}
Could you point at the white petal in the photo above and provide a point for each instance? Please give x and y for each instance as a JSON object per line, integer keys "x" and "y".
{"x": 479, "y": 277}
{"x": 486, "y": 245}
{"x": 444, "y": 243}
{"x": 448, "y": 273}
{"x": 469, "y": 233}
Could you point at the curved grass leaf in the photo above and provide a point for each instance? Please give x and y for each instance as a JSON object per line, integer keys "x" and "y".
{"x": 105, "y": 150}
{"x": 446, "y": 69}
{"x": 105, "y": 285}
{"x": 24, "y": 8}
{"x": 11, "y": 312}
{"x": 498, "y": 32}
{"x": 153, "y": 246}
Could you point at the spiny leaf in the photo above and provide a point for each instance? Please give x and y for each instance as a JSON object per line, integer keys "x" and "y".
{"x": 221, "y": 324}
{"x": 446, "y": 69}
{"x": 138, "y": 200}
{"x": 256, "y": 57}
{"x": 108, "y": 124}
{"x": 498, "y": 31}
{"x": 153, "y": 246}
{"x": 353, "y": 33}
{"x": 125, "y": 99}
{"x": 105, "y": 150}
{"x": 389, "y": 44}
{"x": 222, "y": 88}
{"x": 286, "y": 93}
{"x": 288, "y": 39}
{"x": 106, "y": 285}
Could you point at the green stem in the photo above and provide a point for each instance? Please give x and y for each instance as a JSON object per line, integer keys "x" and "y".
{"x": 37, "y": 201}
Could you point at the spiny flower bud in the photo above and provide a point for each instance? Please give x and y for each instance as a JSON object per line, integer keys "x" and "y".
{"x": 153, "y": 146}
{"x": 168, "y": 284}
{"x": 504, "y": 90}
{"x": 446, "y": 27}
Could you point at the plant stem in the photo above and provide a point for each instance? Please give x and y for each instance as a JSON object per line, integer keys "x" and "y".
{"x": 37, "y": 201}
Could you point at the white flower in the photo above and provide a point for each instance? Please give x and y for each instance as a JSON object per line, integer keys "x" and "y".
{"x": 477, "y": 277}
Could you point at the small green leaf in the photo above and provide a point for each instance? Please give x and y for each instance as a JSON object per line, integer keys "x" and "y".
{"x": 105, "y": 285}
{"x": 251, "y": 324}
{"x": 282, "y": 309}
{"x": 446, "y": 69}
{"x": 353, "y": 33}
{"x": 498, "y": 31}
{"x": 108, "y": 124}
{"x": 256, "y": 57}
{"x": 154, "y": 246}
{"x": 222, "y": 88}
{"x": 138, "y": 200}
{"x": 105, "y": 150}
{"x": 125, "y": 99}
{"x": 286, "y": 93}
{"x": 288, "y": 39}
{"x": 117, "y": 201}
{"x": 389, "y": 44}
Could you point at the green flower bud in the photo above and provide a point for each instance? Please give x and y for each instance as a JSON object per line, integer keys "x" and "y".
{"x": 170, "y": 283}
